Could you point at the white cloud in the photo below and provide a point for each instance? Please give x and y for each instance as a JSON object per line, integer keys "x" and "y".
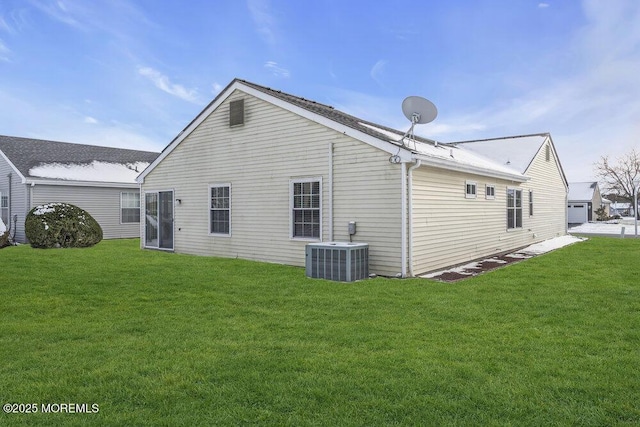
{"x": 19, "y": 20}
{"x": 60, "y": 123}
{"x": 405, "y": 33}
{"x": 4, "y": 52}
{"x": 59, "y": 11}
{"x": 163, "y": 83}
{"x": 119, "y": 20}
{"x": 276, "y": 70}
{"x": 590, "y": 112}
{"x": 372, "y": 108}
{"x": 332, "y": 74}
{"x": 4, "y": 26}
{"x": 543, "y": 5}
{"x": 121, "y": 135}
{"x": 216, "y": 88}
{"x": 90, "y": 120}
{"x": 458, "y": 125}
{"x": 377, "y": 70}
{"x": 263, "y": 19}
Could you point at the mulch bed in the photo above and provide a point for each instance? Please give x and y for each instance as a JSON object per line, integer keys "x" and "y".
{"x": 473, "y": 269}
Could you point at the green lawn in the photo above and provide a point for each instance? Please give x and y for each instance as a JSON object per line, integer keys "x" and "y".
{"x": 166, "y": 339}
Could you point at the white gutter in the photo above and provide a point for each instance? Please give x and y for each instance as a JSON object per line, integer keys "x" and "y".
{"x": 330, "y": 200}
{"x": 403, "y": 213}
{"x": 81, "y": 183}
{"x": 415, "y": 166}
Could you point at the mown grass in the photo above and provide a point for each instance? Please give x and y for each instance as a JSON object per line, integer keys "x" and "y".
{"x": 168, "y": 339}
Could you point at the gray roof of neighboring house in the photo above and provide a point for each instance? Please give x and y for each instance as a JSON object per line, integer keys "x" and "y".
{"x": 582, "y": 191}
{"x": 26, "y": 153}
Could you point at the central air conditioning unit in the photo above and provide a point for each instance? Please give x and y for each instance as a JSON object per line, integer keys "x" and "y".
{"x": 340, "y": 261}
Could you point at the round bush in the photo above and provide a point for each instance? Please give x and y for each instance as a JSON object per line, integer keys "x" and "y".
{"x": 4, "y": 239}
{"x": 61, "y": 225}
{"x": 4, "y": 235}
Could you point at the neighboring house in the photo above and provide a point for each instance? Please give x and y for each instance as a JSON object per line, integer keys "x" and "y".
{"x": 259, "y": 173}
{"x": 100, "y": 180}
{"x": 606, "y": 204}
{"x": 584, "y": 200}
{"x": 622, "y": 209}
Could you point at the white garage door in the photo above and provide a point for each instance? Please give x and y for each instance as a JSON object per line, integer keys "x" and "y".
{"x": 577, "y": 213}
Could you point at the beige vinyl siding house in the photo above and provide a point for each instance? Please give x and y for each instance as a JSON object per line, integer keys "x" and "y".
{"x": 259, "y": 161}
{"x": 14, "y": 195}
{"x": 104, "y": 204}
{"x": 100, "y": 180}
{"x": 468, "y": 228}
{"x": 243, "y": 185}
{"x": 464, "y": 228}
{"x": 365, "y": 190}
{"x": 547, "y": 183}
{"x": 584, "y": 200}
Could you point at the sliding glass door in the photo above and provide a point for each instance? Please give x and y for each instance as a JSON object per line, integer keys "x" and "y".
{"x": 158, "y": 227}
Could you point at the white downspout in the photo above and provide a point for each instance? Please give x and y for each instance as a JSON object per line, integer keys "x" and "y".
{"x": 410, "y": 250}
{"x": 403, "y": 213}
{"x": 330, "y": 200}
{"x": 9, "y": 176}
{"x": 566, "y": 212}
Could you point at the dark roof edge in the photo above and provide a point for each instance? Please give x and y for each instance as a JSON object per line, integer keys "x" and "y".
{"x": 76, "y": 145}
{"x": 544, "y": 134}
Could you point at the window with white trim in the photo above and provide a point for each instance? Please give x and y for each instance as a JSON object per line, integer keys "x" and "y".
{"x": 490, "y": 192}
{"x": 470, "y": 189}
{"x": 129, "y": 207}
{"x": 220, "y": 209}
{"x": 530, "y": 202}
{"x": 306, "y": 208}
{"x": 514, "y": 208}
{"x": 4, "y": 209}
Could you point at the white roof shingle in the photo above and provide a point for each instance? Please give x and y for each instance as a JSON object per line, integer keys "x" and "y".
{"x": 582, "y": 191}
{"x": 516, "y": 152}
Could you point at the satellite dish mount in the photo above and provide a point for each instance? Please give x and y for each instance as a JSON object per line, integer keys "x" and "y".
{"x": 417, "y": 110}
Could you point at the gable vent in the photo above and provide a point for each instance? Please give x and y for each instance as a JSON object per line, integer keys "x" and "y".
{"x": 236, "y": 112}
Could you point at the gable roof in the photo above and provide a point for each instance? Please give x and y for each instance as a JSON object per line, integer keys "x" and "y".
{"x": 582, "y": 191}
{"x": 36, "y": 160}
{"x": 329, "y": 112}
{"x": 429, "y": 152}
{"x": 517, "y": 152}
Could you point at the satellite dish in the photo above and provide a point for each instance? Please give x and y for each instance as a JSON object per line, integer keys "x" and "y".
{"x": 419, "y": 110}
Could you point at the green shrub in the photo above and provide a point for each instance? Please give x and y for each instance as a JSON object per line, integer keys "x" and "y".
{"x": 601, "y": 214}
{"x": 4, "y": 239}
{"x": 4, "y": 235}
{"x": 61, "y": 225}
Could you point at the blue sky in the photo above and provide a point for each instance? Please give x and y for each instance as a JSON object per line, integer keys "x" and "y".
{"x": 133, "y": 73}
